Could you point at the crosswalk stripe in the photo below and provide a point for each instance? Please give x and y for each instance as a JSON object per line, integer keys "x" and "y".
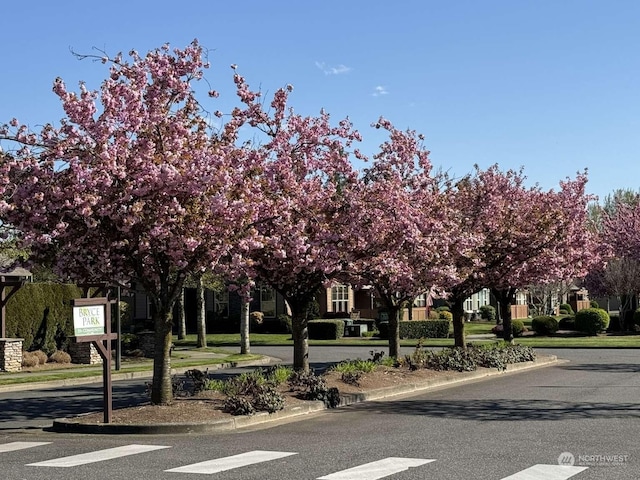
{"x": 97, "y": 456}
{"x": 13, "y": 446}
{"x": 228, "y": 463}
{"x": 546, "y": 472}
{"x": 375, "y": 470}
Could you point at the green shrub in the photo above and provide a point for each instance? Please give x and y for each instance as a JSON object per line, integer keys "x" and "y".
{"x": 488, "y": 312}
{"x": 313, "y": 387}
{"x": 567, "y": 323}
{"x": 278, "y": 374}
{"x": 357, "y": 365}
{"x": 592, "y": 320}
{"x": 434, "y": 315}
{"x": 285, "y": 322}
{"x": 594, "y": 304}
{"x": 518, "y": 327}
{"x": 544, "y": 325}
{"x": 425, "y": 328}
{"x": 326, "y": 329}
{"x": 567, "y": 308}
{"x": 443, "y": 308}
{"x": 40, "y": 313}
{"x": 636, "y": 320}
{"x": 445, "y": 315}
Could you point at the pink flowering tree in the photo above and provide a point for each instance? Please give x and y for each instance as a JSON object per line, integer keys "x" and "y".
{"x": 133, "y": 186}
{"x": 551, "y": 241}
{"x": 512, "y": 236}
{"x": 400, "y": 226}
{"x": 306, "y": 180}
{"x": 620, "y": 240}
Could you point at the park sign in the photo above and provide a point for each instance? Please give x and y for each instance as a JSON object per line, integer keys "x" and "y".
{"x": 89, "y": 320}
{"x": 92, "y": 323}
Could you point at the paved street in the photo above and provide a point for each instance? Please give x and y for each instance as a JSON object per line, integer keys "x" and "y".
{"x": 513, "y": 427}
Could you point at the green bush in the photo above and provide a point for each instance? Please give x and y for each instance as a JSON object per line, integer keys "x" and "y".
{"x": 518, "y": 328}
{"x": 40, "y": 313}
{"x": 544, "y": 325}
{"x": 594, "y": 304}
{"x": 326, "y": 329}
{"x": 592, "y": 320}
{"x": 567, "y": 308}
{"x": 425, "y": 328}
{"x": 567, "y": 323}
{"x": 488, "y": 312}
{"x": 285, "y": 322}
{"x": 445, "y": 315}
{"x": 443, "y": 308}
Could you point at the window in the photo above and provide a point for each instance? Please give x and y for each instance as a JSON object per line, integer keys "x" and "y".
{"x": 268, "y": 301}
{"x": 221, "y": 303}
{"x": 340, "y": 298}
{"x": 420, "y": 300}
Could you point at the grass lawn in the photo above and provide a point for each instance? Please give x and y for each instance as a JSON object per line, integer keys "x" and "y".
{"x": 179, "y": 359}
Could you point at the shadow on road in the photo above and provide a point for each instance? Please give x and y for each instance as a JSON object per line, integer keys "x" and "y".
{"x": 505, "y": 410}
{"x": 603, "y": 367}
{"x": 67, "y": 402}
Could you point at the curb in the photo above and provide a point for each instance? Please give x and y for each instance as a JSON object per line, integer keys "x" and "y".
{"x": 116, "y": 376}
{"x": 75, "y": 425}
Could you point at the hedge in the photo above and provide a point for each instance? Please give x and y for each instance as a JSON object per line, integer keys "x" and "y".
{"x": 325, "y": 329}
{"x": 592, "y": 320}
{"x": 425, "y": 329}
{"x": 544, "y": 325}
{"x": 40, "y": 313}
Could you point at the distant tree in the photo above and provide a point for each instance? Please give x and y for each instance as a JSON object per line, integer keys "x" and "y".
{"x": 618, "y": 277}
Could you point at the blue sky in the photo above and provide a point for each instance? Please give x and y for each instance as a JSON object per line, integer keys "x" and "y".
{"x": 550, "y": 85}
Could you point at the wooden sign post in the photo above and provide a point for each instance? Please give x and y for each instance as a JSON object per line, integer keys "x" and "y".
{"x": 92, "y": 323}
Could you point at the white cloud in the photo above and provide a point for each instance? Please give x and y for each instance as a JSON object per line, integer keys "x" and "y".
{"x": 337, "y": 70}
{"x": 380, "y": 90}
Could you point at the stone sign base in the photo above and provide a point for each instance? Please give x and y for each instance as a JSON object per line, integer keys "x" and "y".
{"x": 11, "y": 354}
{"x": 84, "y": 353}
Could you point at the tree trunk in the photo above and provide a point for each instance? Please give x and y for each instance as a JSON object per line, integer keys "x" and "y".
{"x": 457, "y": 310}
{"x": 300, "y": 333}
{"x": 394, "y": 330}
{"x": 245, "y": 345}
{"x": 161, "y": 392}
{"x": 506, "y": 298}
{"x": 201, "y": 317}
{"x": 182, "y": 320}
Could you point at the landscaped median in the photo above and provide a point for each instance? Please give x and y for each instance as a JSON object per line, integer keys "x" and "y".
{"x": 216, "y": 413}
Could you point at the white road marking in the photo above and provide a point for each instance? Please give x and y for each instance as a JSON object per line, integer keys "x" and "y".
{"x": 13, "y": 446}
{"x": 98, "y": 456}
{"x": 228, "y": 463}
{"x": 374, "y": 470}
{"x": 546, "y": 472}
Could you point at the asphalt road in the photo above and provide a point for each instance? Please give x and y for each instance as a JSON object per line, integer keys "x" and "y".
{"x": 585, "y": 410}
